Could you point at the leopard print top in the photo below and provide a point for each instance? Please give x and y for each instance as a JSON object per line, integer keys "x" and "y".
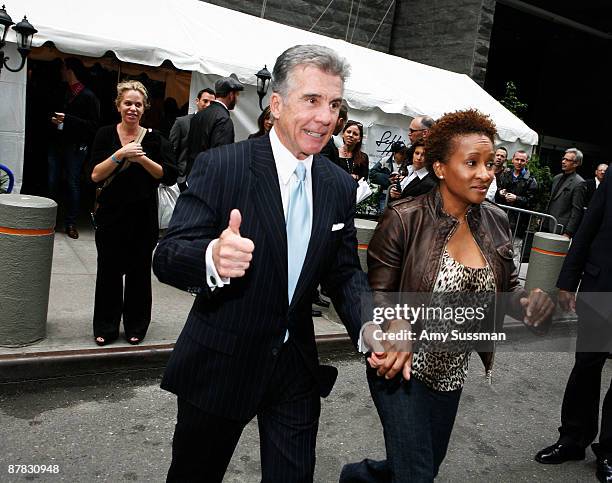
{"x": 446, "y": 371}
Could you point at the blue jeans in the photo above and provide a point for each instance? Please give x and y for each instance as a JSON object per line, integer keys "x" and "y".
{"x": 417, "y": 423}
{"x": 67, "y": 158}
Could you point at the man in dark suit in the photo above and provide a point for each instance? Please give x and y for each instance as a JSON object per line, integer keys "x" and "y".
{"x": 179, "y": 135}
{"x": 248, "y": 347}
{"x": 567, "y": 195}
{"x": 590, "y": 185}
{"x": 213, "y": 126}
{"x": 588, "y": 264}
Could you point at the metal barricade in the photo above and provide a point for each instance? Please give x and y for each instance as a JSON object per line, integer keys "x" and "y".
{"x": 534, "y": 223}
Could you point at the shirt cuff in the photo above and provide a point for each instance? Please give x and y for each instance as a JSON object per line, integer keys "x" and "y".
{"x": 213, "y": 279}
{"x": 363, "y": 346}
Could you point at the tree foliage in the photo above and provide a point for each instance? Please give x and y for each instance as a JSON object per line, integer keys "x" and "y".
{"x": 511, "y": 101}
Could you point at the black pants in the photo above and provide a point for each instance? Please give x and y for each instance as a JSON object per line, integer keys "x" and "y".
{"x": 123, "y": 249}
{"x": 288, "y": 420}
{"x": 417, "y": 423}
{"x": 580, "y": 410}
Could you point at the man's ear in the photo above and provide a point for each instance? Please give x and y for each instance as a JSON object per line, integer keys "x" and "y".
{"x": 276, "y": 105}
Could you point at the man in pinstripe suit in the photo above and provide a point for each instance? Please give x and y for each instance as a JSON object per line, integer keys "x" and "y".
{"x": 248, "y": 347}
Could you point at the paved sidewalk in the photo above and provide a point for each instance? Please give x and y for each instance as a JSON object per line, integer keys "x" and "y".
{"x": 69, "y": 321}
{"x": 69, "y": 347}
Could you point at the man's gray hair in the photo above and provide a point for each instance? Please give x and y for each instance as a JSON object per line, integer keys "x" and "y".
{"x": 578, "y": 154}
{"x": 426, "y": 121}
{"x": 318, "y": 56}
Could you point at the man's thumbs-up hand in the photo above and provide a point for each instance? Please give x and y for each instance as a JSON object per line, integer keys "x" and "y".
{"x": 232, "y": 254}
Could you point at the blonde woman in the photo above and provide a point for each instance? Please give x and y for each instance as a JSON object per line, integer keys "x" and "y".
{"x": 127, "y": 229}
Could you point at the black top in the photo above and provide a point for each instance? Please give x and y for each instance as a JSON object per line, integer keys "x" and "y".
{"x": 132, "y": 190}
{"x": 82, "y": 117}
{"x": 361, "y": 170}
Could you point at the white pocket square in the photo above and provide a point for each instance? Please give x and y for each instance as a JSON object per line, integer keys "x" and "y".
{"x": 337, "y": 226}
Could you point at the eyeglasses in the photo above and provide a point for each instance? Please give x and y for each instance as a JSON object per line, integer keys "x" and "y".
{"x": 356, "y": 123}
{"x": 568, "y": 159}
{"x": 410, "y": 130}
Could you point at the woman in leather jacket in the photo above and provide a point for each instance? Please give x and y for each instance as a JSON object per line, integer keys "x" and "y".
{"x": 447, "y": 243}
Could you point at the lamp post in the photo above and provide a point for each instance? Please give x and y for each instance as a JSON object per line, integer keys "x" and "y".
{"x": 25, "y": 32}
{"x": 263, "y": 82}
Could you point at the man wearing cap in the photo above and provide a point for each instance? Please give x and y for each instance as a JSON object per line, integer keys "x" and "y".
{"x": 385, "y": 173}
{"x": 213, "y": 126}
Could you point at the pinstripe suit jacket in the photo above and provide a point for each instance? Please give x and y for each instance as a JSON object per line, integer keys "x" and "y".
{"x": 226, "y": 352}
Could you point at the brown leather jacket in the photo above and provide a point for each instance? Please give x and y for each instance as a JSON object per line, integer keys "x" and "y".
{"x": 406, "y": 251}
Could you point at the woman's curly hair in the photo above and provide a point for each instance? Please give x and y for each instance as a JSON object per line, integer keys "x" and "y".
{"x": 442, "y": 135}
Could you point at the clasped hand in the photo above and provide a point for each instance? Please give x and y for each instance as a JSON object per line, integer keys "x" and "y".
{"x": 538, "y": 307}
{"x": 232, "y": 254}
{"x": 567, "y": 300}
{"x": 389, "y": 355}
{"x": 131, "y": 150}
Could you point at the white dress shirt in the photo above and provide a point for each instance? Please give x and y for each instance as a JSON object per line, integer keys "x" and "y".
{"x": 285, "y": 167}
{"x": 492, "y": 190}
{"x": 412, "y": 174}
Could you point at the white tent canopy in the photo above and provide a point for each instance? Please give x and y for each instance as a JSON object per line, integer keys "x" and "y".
{"x": 197, "y": 36}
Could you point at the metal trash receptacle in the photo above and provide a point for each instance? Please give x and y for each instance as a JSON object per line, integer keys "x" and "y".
{"x": 26, "y": 255}
{"x": 548, "y": 253}
{"x": 365, "y": 230}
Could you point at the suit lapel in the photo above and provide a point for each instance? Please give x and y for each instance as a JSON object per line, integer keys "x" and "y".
{"x": 557, "y": 188}
{"x": 322, "y": 205}
{"x": 269, "y": 205}
{"x": 412, "y": 184}
{"x": 569, "y": 183}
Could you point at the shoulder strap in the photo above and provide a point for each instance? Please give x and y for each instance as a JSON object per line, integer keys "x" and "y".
{"x": 141, "y": 134}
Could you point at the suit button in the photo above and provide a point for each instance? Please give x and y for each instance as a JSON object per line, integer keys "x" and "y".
{"x": 275, "y": 351}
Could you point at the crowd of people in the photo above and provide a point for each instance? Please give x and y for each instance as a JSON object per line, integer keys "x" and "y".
{"x": 262, "y": 224}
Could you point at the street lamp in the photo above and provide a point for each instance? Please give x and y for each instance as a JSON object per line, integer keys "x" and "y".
{"x": 25, "y": 32}
{"x": 263, "y": 81}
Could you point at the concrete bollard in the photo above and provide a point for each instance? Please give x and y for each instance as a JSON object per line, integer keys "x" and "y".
{"x": 548, "y": 252}
{"x": 365, "y": 230}
{"x": 26, "y": 253}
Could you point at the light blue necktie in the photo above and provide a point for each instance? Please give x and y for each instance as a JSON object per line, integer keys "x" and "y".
{"x": 298, "y": 228}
